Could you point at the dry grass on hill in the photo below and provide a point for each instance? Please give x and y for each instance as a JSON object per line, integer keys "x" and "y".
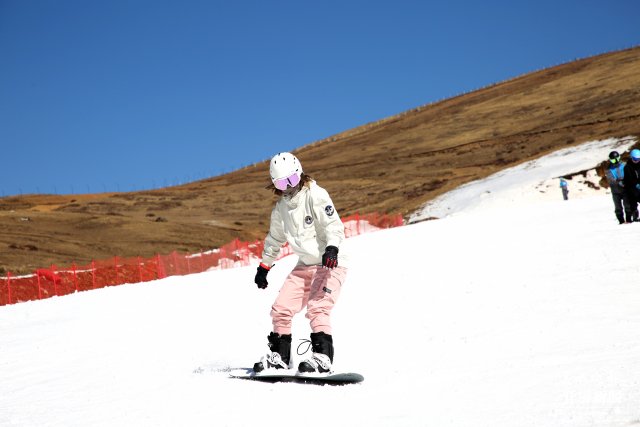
{"x": 394, "y": 165}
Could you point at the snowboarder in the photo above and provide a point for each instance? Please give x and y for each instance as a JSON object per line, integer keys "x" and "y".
{"x": 565, "y": 188}
{"x": 305, "y": 217}
{"x": 615, "y": 176}
{"x": 631, "y": 182}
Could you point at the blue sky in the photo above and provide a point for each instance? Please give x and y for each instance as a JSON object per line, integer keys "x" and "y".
{"x": 127, "y": 95}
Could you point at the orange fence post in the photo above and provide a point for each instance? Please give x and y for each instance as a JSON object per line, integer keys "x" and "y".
{"x": 39, "y": 286}
{"x": 139, "y": 269}
{"x": 55, "y": 282}
{"x": 116, "y": 266}
{"x": 174, "y": 255}
{"x": 75, "y": 276}
{"x": 9, "y": 286}
{"x": 236, "y": 244}
{"x": 93, "y": 274}
{"x": 160, "y": 272}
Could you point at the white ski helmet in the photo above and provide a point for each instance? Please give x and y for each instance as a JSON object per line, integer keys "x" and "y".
{"x": 285, "y": 170}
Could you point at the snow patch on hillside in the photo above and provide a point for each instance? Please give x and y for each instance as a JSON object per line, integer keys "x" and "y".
{"x": 533, "y": 181}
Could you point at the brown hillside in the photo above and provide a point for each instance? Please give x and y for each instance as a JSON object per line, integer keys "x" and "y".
{"x": 394, "y": 165}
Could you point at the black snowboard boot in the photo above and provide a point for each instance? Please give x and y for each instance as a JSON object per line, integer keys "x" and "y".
{"x": 322, "y": 357}
{"x": 279, "y": 355}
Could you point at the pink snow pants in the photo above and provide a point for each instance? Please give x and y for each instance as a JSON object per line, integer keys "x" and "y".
{"x": 309, "y": 286}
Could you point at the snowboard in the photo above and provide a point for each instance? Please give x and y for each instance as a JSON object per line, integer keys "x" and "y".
{"x": 293, "y": 376}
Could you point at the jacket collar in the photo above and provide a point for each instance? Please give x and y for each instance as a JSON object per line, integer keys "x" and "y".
{"x": 293, "y": 200}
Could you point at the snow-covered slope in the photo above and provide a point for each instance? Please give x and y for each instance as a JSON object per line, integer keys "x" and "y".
{"x": 522, "y": 313}
{"x": 534, "y": 181}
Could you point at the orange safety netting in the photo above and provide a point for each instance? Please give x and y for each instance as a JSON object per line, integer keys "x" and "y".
{"x": 54, "y": 281}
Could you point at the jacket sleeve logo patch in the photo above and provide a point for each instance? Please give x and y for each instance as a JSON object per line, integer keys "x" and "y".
{"x": 329, "y": 210}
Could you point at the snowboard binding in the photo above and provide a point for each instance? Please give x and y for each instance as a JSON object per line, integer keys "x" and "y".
{"x": 279, "y": 356}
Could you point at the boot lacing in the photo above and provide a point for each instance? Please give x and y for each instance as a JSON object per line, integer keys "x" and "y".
{"x": 303, "y": 342}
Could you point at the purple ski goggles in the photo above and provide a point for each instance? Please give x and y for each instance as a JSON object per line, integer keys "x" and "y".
{"x": 291, "y": 181}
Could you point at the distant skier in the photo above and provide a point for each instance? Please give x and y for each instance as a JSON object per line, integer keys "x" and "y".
{"x": 565, "y": 188}
{"x": 304, "y": 217}
{"x": 631, "y": 182}
{"x": 615, "y": 176}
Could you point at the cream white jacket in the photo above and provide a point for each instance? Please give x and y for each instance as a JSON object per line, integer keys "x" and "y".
{"x": 309, "y": 222}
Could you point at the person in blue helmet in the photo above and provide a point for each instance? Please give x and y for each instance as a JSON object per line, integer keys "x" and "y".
{"x": 631, "y": 182}
{"x": 615, "y": 176}
{"x": 564, "y": 186}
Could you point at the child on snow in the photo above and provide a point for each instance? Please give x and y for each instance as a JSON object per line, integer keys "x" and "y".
{"x": 304, "y": 217}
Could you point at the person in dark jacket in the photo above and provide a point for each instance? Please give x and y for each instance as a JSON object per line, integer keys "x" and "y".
{"x": 615, "y": 176}
{"x": 632, "y": 182}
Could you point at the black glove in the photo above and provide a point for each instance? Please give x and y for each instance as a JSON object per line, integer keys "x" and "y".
{"x": 330, "y": 257}
{"x": 261, "y": 276}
